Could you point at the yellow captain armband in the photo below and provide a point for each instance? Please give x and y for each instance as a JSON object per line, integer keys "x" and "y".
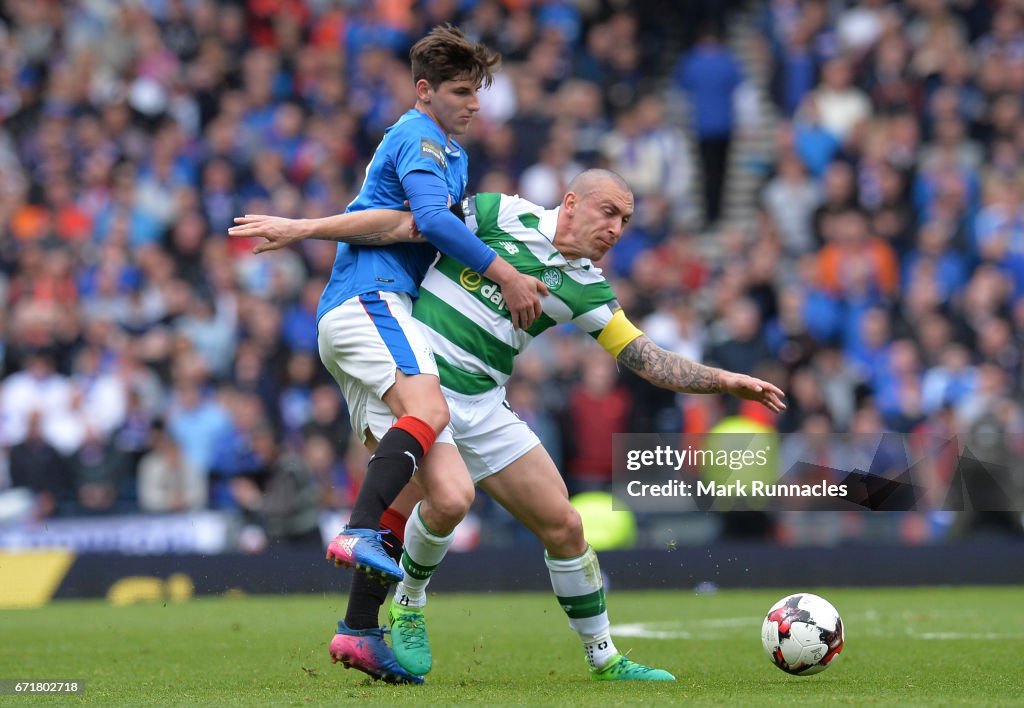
{"x": 618, "y": 333}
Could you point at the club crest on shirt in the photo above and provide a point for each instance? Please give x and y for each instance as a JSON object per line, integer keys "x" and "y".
{"x": 552, "y": 277}
{"x": 433, "y": 150}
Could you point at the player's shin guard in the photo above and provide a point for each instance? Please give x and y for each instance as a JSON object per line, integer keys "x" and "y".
{"x": 424, "y": 551}
{"x": 393, "y": 463}
{"x": 368, "y": 594}
{"x": 579, "y": 588}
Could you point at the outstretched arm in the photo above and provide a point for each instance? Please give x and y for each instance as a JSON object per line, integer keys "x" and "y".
{"x": 677, "y": 373}
{"x": 374, "y": 227}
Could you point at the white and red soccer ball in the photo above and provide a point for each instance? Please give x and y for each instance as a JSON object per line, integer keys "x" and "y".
{"x": 802, "y": 634}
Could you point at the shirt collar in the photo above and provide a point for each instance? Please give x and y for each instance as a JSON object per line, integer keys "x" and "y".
{"x": 451, "y": 147}
{"x": 548, "y": 223}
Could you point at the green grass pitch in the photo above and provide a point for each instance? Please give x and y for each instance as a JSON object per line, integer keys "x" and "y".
{"x": 945, "y": 646}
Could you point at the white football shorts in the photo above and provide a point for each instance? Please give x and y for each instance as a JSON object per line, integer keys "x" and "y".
{"x": 363, "y": 342}
{"x": 488, "y": 435}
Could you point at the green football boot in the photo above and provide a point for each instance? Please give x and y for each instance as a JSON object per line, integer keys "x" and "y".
{"x": 409, "y": 638}
{"x": 619, "y": 668}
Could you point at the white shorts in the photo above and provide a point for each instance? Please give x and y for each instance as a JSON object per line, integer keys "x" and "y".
{"x": 364, "y": 341}
{"x": 488, "y": 435}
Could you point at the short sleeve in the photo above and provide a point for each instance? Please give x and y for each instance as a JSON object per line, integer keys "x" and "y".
{"x": 417, "y": 152}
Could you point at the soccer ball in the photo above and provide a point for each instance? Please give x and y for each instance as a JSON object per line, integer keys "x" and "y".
{"x": 802, "y": 634}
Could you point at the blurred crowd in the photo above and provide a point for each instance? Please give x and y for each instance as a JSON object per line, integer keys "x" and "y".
{"x": 150, "y": 363}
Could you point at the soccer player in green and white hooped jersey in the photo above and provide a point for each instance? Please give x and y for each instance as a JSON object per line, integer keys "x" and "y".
{"x": 475, "y": 346}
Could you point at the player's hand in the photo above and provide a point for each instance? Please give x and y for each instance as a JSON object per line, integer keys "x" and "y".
{"x": 522, "y": 295}
{"x": 413, "y": 235}
{"x": 748, "y": 388}
{"x": 407, "y": 231}
{"x": 276, "y": 231}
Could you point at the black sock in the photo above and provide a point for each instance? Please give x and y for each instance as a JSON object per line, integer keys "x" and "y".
{"x": 389, "y": 470}
{"x": 368, "y": 594}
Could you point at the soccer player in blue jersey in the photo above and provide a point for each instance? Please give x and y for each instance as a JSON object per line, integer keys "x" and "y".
{"x": 367, "y": 336}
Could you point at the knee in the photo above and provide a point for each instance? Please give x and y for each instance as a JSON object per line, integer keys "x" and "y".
{"x": 449, "y": 506}
{"x": 564, "y": 536}
{"x": 434, "y": 413}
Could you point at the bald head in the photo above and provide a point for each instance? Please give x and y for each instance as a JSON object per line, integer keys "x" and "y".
{"x": 594, "y": 179}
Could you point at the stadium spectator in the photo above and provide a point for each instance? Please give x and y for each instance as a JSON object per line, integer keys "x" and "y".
{"x": 709, "y": 74}
{"x": 645, "y": 149}
{"x": 841, "y": 105}
{"x": 544, "y": 182}
{"x": 167, "y": 481}
{"x": 196, "y": 421}
{"x": 289, "y": 494}
{"x": 598, "y": 408}
{"x": 737, "y": 342}
{"x": 36, "y": 465}
{"x": 38, "y": 398}
{"x": 791, "y": 199}
{"x": 855, "y": 264}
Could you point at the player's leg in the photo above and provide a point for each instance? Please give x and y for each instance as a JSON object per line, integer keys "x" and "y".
{"x": 445, "y": 481}
{"x": 421, "y": 413}
{"x": 371, "y": 343}
{"x": 367, "y": 594}
{"x": 506, "y": 459}
{"x": 532, "y": 490}
{"x": 359, "y": 642}
{"x": 447, "y": 495}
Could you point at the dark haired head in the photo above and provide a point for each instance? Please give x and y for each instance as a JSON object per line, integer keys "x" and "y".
{"x": 446, "y": 55}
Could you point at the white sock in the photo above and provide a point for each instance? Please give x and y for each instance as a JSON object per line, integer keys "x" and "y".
{"x": 424, "y": 551}
{"x": 579, "y": 588}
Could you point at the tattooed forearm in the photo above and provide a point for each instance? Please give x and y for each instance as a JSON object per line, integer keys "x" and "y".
{"x": 669, "y": 370}
{"x": 379, "y": 238}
